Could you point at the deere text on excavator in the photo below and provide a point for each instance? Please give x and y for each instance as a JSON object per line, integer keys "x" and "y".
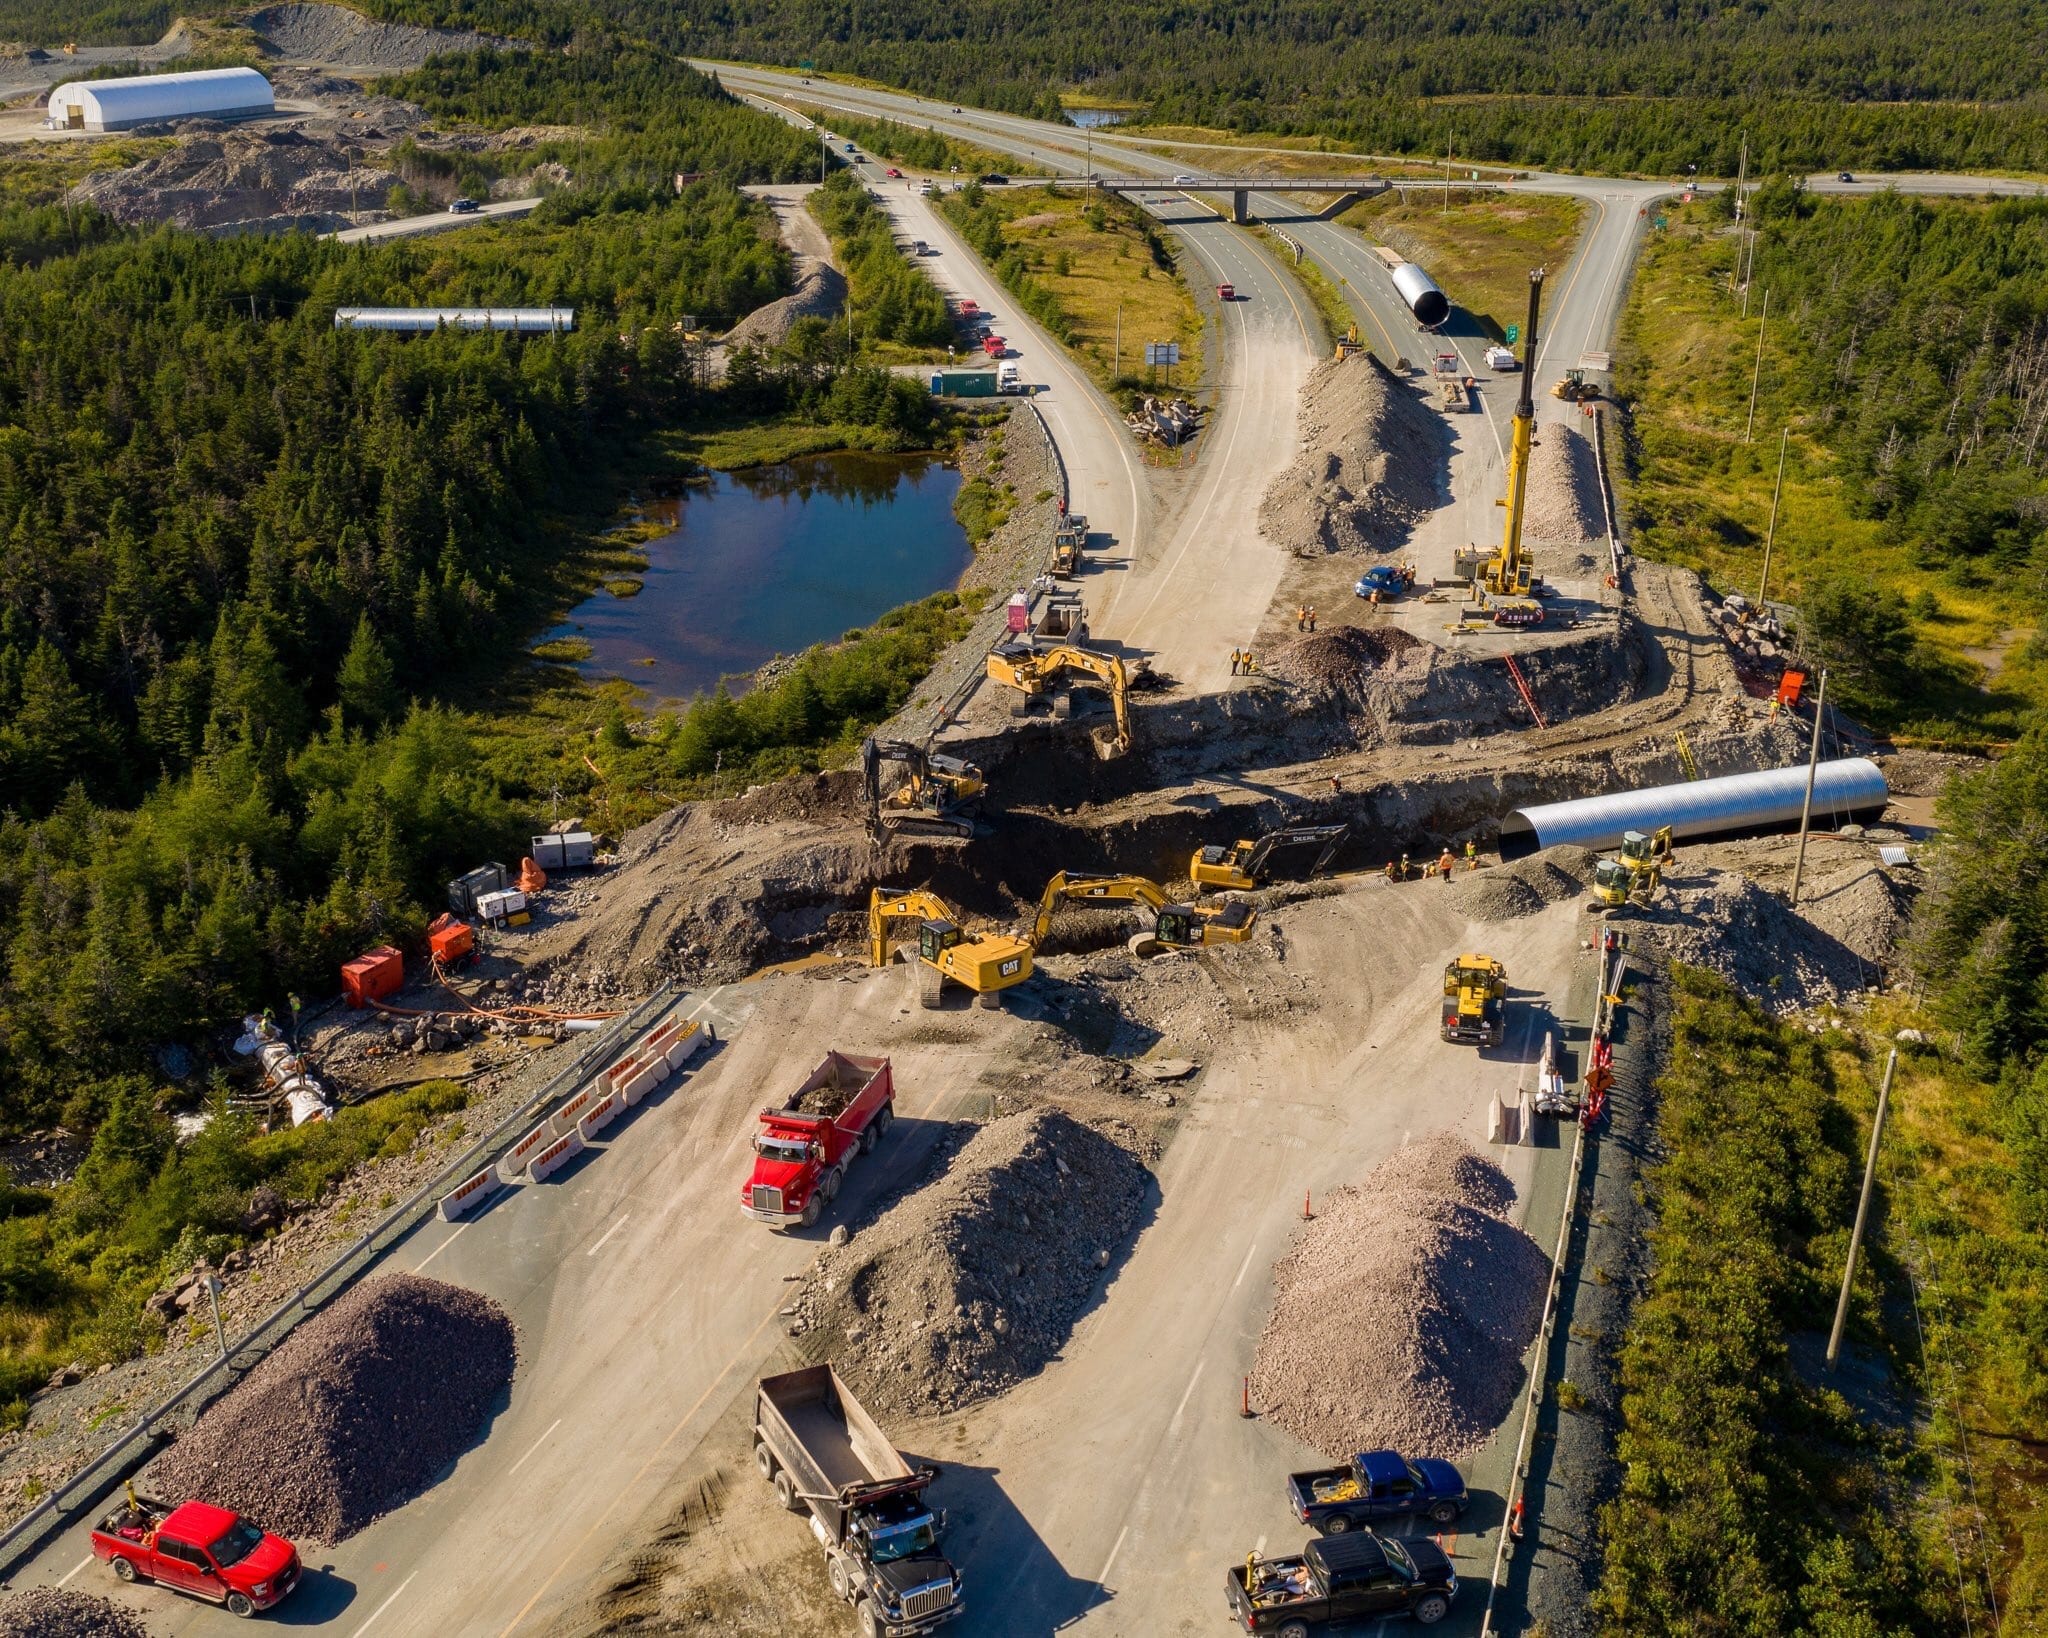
{"x": 936, "y": 797}
{"x": 986, "y": 963}
{"x": 1031, "y": 672}
{"x": 1243, "y": 865}
{"x": 1174, "y": 926}
{"x": 1475, "y": 1000}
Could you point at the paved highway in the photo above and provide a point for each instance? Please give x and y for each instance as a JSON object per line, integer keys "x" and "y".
{"x": 441, "y": 221}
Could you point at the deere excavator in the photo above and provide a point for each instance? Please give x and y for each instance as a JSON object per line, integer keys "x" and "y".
{"x": 1242, "y": 865}
{"x": 934, "y": 797}
{"x": 1505, "y": 578}
{"x": 1032, "y": 671}
{"x": 985, "y": 963}
{"x": 1174, "y": 926}
{"x": 1637, "y": 873}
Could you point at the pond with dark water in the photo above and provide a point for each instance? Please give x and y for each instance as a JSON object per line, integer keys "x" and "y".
{"x": 773, "y": 559}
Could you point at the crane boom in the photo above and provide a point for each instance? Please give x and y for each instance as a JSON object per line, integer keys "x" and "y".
{"x": 1507, "y": 575}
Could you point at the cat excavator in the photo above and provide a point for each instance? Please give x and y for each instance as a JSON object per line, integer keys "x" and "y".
{"x": 1242, "y": 865}
{"x": 934, "y": 797}
{"x": 1032, "y": 671}
{"x": 985, "y": 963}
{"x": 1174, "y": 926}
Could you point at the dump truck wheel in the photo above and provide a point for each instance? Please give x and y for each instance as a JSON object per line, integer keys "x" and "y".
{"x": 871, "y": 1623}
{"x": 830, "y": 1187}
{"x": 812, "y": 1207}
{"x": 931, "y": 985}
{"x": 764, "y": 1459}
{"x": 884, "y": 1118}
{"x": 785, "y": 1494}
{"x": 842, "y": 1583}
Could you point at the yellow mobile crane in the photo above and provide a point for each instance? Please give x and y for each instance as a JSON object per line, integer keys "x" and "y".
{"x": 986, "y": 963}
{"x": 1505, "y": 575}
{"x": 1031, "y": 671}
{"x": 1174, "y": 926}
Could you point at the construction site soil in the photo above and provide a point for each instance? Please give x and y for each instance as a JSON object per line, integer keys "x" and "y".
{"x": 355, "y": 1413}
{"x": 972, "y": 1280}
{"x": 53, "y": 1612}
{"x": 1367, "y": 469}
{"x": 1564, "y": 489}
{"x": 338, "y": 37}
{"x": 1401, "y": 1313}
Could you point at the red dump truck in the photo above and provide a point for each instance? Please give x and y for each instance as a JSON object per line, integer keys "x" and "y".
{"x": 804, "y": 1147}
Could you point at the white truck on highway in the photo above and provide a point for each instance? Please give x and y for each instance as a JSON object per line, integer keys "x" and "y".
{"x": 825, "y": 1455}
{"x": 1502, "y": 358}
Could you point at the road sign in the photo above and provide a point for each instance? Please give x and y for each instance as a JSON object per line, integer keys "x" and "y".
{"x": 1514, "y": 334}
{"x": 1663, "y": 222}
{"x": 1162, "y": 352}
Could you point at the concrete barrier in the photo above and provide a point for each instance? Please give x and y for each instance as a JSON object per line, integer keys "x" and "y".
{"x": 566, "y": 1117}
{"x": 647, "y": 1075}
{"x": 600, "y": 1115}
{"x": 687, "y": 1042}
{"x": 470, "y": 1193}
{"x": 555, "y": 1156}
{"x": 621, "y": 1074}
{"x": 1496, "y": 1120}
{"x": 514, "y": 1159}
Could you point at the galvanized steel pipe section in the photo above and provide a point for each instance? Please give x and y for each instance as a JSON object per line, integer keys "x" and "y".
{"x": 1853, "y": 787}
{"x": 419, "y": 320}
{"x": 1429, "y": 304}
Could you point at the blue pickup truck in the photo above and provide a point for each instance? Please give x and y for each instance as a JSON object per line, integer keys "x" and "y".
{"x": 1374, "y": 1487}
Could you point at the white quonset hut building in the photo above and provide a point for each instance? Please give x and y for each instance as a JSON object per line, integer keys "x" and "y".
{"x": 121, "y": 105}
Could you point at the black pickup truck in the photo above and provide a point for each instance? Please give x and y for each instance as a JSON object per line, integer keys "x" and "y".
{"x": 1355, "y": 1577}
{"x": 1376, "y": 1486}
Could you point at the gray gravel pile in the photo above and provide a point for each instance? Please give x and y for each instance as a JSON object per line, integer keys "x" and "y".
{"x": 1864, "y": 906}
{"x": 1564, "y": 487}
{"x": 972, "y": 1282}
{"x": 241, "y": 180}
{"x": 52, "y": 1612}
{"x": 1724, "y": 921}
{"x": 335, "y": 35}
{"x": 354, "y": 1414}
{"x": 1401, "y": 1314}
{"x": 1341, "y": 657}
{"x": 1509, "y": 891}
{"x": 819, "y": 292}
{"x": 1369, "y": 467}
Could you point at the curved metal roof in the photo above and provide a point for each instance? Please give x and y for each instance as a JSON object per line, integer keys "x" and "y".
{"x": 167, "y": 96}
{"x": 1851, "y": 787}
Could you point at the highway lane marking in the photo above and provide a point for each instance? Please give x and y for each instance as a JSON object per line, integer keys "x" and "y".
{"x": 1259, "y": 1546}
{"x": 381, "y": 1608}
{"x": 461, "y": 1230}
{"x": 1114, "y": 1550}
{"x": 594, "y": 1250}
{"x": 543, "y": 1439}
{"x": 81, "y": 1564}
{"x": 1247, "y": 1265}
{"x": 1187, "y": 1393}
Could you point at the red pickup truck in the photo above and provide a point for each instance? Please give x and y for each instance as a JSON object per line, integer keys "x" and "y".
{"x": 803, "y": 1148}
{"x": 995, "y": 346}
{"x": 197, "y": 1548}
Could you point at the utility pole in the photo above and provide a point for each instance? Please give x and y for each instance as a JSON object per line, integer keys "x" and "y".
{"x": 1448, "y": 135}
{"x": 1756, "y": 374}
{"x": 1741, "y": 176}
{"x": 1116, "y": 359}
{"x": 1820, "y": 706}
{"x": 1884, "y": 1093}
{"x": 1771, "y": 533}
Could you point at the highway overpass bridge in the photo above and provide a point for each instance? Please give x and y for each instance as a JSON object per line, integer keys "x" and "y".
{"x": 1347, "y": 189}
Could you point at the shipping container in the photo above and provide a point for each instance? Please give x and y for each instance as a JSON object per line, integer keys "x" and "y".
{"x": 963, "y": 383}
{"x": 464, "y": 891}
{"x": 373, "y": 975}
{"x": 564, "y": 850}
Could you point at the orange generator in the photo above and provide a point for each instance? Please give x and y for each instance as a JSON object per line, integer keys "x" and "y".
{"x": 450, "y": 939}
{"x": 373, "y": 975}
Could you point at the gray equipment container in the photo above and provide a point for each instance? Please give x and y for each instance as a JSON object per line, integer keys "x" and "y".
{"x": 464, "y": 891}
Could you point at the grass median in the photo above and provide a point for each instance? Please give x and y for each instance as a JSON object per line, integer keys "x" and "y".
{"x": 1481, "y": 250}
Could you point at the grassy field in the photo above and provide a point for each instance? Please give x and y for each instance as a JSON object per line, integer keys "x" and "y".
{"x": 1701, "y": 493}
{"x": 40, "y": 173}
{"x": 1095, "y": 257}
{"x": 1482, "y": 251}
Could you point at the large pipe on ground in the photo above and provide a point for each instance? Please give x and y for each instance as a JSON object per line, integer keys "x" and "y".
{"x": 1429, "y": 304}
{"x": 1734, "y": 804}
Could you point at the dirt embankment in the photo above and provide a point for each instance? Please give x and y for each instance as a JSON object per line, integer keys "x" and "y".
{"x": 1564, "y": 488}
{"x": 250, "y": 181}
{"x": 334, "y": 36}
{"x": 1370, "y": 466}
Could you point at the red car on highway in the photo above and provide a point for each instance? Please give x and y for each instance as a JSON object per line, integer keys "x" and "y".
{"x": 207, "y": 1551}
{"x": 891, "y": 170}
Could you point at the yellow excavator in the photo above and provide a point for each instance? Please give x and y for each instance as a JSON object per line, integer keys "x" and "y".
{"x": 1637, "y": 873}
{"x": 986, "y": 963}
{"x": 1505, "y": 576}
{"x": 1242, "y": 865}
{"x": 934, "y": 797}
{"x": 1031, "y": 671}
{"x": 1174, "y": 926}
{"x": 1348, "y": 343}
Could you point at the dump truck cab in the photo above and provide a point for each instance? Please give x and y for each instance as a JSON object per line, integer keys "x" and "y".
{"x": 1475, "y": 1000}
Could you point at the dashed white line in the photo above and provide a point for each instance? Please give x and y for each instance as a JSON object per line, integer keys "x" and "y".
{"x": 543, "y": 1439}
{"x": 1186, "y": 1394}
{"x": 608, "y": 1233}
{"x": 81, "y": 1564}
{"x": 1246, "y": 1269}
{"x": 381, "y": 1608}
{"x": 1113, "y": 1551}
{"x": 1259, "y": 1546}
{"x": 443, "y": 1246}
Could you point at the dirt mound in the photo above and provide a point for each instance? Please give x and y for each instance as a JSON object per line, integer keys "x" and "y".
{"x": 1564, "y": 488}
{"x": 51, "y": 1612}
{"x": 242, "y": 180}
{"x": 972, "y": 1282}
{"x": 354, "y": 1414}
{"x": 335, "y": 35}
{"x": 1370, "y": 466}
{"x": 1864, "y": 906}
{"x": 1524, "y": 887}
{"x": 1722, "y": 920}
{"x": 1401, "y": 1313}
{"x": 820, "y": 292}
{"x": 1342, "y": 657}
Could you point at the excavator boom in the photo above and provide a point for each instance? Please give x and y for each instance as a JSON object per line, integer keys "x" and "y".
{"x": 1031, "y": 672}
